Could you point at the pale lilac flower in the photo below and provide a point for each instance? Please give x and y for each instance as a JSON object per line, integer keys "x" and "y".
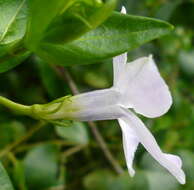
{"x": 146, "y": 92}
{"x": 137, "y": 86}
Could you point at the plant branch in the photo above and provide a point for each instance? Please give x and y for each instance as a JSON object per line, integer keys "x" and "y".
{"x": 71, "y": 151}
{"x": 55, "y": 142}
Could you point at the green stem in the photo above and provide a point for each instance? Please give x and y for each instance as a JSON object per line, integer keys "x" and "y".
{"x": 18, "y": 108}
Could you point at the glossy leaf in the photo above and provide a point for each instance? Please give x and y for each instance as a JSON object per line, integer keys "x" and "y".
{"x": 188, "y": 165}
{"x": 9, "y": 61}
{"x": 105, "y": 180}
{"x": 167, "y": 9}
{"x": 41, "y": 14}
{"x": 5, "y": 183}
{"x": 5, "y": 48}
{"x": 79, "y": 19}
{"x": 52, "y": 83}
{"x": 165, "y": 178}
{"x": 75, "y": 133}
{"x": 14, "y": 57}
{"x": 40, "y": 166}
{"x": 118, "y": 34}
{"x": 100, "y": 179}
{"x": 19, "y": 175}
{"x": 13, "y": 15}
{"x": 186, "y": 61}
{"x": 10, "y": 131}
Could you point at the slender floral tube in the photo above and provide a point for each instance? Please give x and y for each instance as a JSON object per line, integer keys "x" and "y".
{"x": 96, "y": 105}
{"x": 171, "y": 162}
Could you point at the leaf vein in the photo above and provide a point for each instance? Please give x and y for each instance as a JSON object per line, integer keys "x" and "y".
{"x": 11, "y": 21}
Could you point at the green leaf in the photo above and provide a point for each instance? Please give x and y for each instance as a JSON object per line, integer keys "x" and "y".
{"x": 10, "y": 131}
{"x": 188, "y": 157}
{"x": 41, "y": 14}
{"x": 11, "y": 60}
{"x": 166, "y": 179}
{"x": 13, "y": 15}
{"x": 5, "y": 183}
{"x": 96, "y": 79}
{"x": 74, "y": 132}
{"x": 118, "y": 34}
{"x": 40, "y": 166}
{"x": 124, "y": 181}
{"x": 185, "y": 59}
{"x": 5, "y": 48}
{"x": 105, "y": 180}
{"x": 146, "y": 180}
{"x": 54, "y": 86}
{"x": 180, "y": 18}
{"x": 19, "y": 175}
{"x": 167, "y": 9}
{"x": 79, "y": 19}
{"x": 100, "y": 179}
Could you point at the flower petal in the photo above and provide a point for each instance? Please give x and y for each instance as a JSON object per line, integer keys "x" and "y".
{"x": 171, "y": 163}
{"x": 97, "y": 98}
{"x": 123, "y": 10}
{"x": 119, "y": 64}
{"x": 175, "y": 159}
{"x": 130, "y": 143}
{"x": 144, "y": 89}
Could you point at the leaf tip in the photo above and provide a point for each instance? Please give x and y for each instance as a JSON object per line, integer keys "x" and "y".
{"x": 170, "y": 26}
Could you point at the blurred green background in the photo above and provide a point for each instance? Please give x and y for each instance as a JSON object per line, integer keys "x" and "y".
{"x": 54, "y": 158}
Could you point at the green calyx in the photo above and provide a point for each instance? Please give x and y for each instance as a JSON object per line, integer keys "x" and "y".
{"x": 58, "y": 109}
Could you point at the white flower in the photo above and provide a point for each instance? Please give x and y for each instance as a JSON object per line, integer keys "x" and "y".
{"x": 139, "y": 86}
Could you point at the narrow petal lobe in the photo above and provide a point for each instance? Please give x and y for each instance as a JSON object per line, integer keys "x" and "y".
{"x": 170, "y": 162}
{"x": 119, "y": 64}
{"x": 130, "y": 143}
